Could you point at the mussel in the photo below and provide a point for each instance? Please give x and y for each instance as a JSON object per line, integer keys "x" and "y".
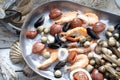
{"x": 66, "y": 27}
{"x": 57, "y": 38}
{"x": 117, "y": 27}
{"x": 92, "y": 33}
{"x": 53, "y": 45}
{"x": 39, "y": 22}
{"x": 59, "y": 65}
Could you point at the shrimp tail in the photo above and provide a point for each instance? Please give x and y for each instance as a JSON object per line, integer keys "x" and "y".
{"x": 81, "y": 62}
{"x": 48, "y": 62}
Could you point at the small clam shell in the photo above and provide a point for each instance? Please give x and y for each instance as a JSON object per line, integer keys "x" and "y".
{"x": 15, "y": 53}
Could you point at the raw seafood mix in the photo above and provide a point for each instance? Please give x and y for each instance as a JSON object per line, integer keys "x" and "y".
{"x": 73, "y": 42}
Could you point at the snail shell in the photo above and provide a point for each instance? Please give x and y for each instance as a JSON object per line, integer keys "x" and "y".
{"x": 15, "y": 53}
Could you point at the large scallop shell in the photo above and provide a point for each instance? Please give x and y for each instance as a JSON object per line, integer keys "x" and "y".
{"x": 15, "y": 53}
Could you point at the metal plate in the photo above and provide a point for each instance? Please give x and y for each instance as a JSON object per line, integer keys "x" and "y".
{"x": 44, "y": 9}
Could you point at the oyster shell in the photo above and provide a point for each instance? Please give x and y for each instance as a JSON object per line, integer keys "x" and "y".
{"x": 15, "y": 53}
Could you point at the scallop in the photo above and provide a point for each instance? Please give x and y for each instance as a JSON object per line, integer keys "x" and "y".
{"x": 15, "y": 53}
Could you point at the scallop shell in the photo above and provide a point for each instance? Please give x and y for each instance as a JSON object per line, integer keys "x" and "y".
{"x": 15, "y": 53}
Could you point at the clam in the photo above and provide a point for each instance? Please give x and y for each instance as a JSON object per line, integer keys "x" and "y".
{"x": 80, "y": 74}
{"x": 15, "y": 53}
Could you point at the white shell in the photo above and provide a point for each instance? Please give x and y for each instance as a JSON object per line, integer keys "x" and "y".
{"x": 62, "y": 54}
{"x": 83, "y": 70}
{"x": 15, "y": 53}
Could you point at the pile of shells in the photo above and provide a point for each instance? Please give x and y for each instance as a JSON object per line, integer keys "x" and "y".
{"x": 109, "y": 62}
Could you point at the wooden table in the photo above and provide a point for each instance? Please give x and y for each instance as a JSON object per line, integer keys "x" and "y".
{"x": 7, "y": 37}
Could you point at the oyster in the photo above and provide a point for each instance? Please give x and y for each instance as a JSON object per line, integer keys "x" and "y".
{"x": 15, "y": 53}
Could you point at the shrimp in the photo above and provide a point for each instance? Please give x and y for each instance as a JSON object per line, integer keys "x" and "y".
{"x": 81, "y": 62}
{"x": 83, "y": 50}
{"x": 51, "y": 60}
{"x": 76, "y": 32}
{"x": 92, "y": 18}
{"x": 67, "y": 17}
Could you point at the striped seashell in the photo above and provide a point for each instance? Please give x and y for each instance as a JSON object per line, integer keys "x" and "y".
{"x": 15, "y": 53}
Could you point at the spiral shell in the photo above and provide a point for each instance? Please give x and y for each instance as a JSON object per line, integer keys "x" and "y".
{"x": 15, "y": 53}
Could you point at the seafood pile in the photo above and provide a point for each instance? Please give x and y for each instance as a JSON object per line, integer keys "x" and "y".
{"x": 73, "y": 43}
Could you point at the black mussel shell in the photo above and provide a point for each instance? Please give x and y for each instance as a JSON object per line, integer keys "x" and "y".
{"x": 92, "y": 33}
{"x": 59, "y": 65}
{"x": 117, "y": 29}
{"x": 53, "y": 45}
{"x": 66, "y": 26}
{"x": 39, "y": 22}
{"x": 57, "y": 38}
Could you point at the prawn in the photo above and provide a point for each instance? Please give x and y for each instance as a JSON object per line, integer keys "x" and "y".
{"x": 51, "y": 60}
{"x": 67, "y": 17}
{"x": 92, "y": 18}
{"x": 83, "y": 50}
{"x": 81, "y": 62}
{"x": 76, "y": 32}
